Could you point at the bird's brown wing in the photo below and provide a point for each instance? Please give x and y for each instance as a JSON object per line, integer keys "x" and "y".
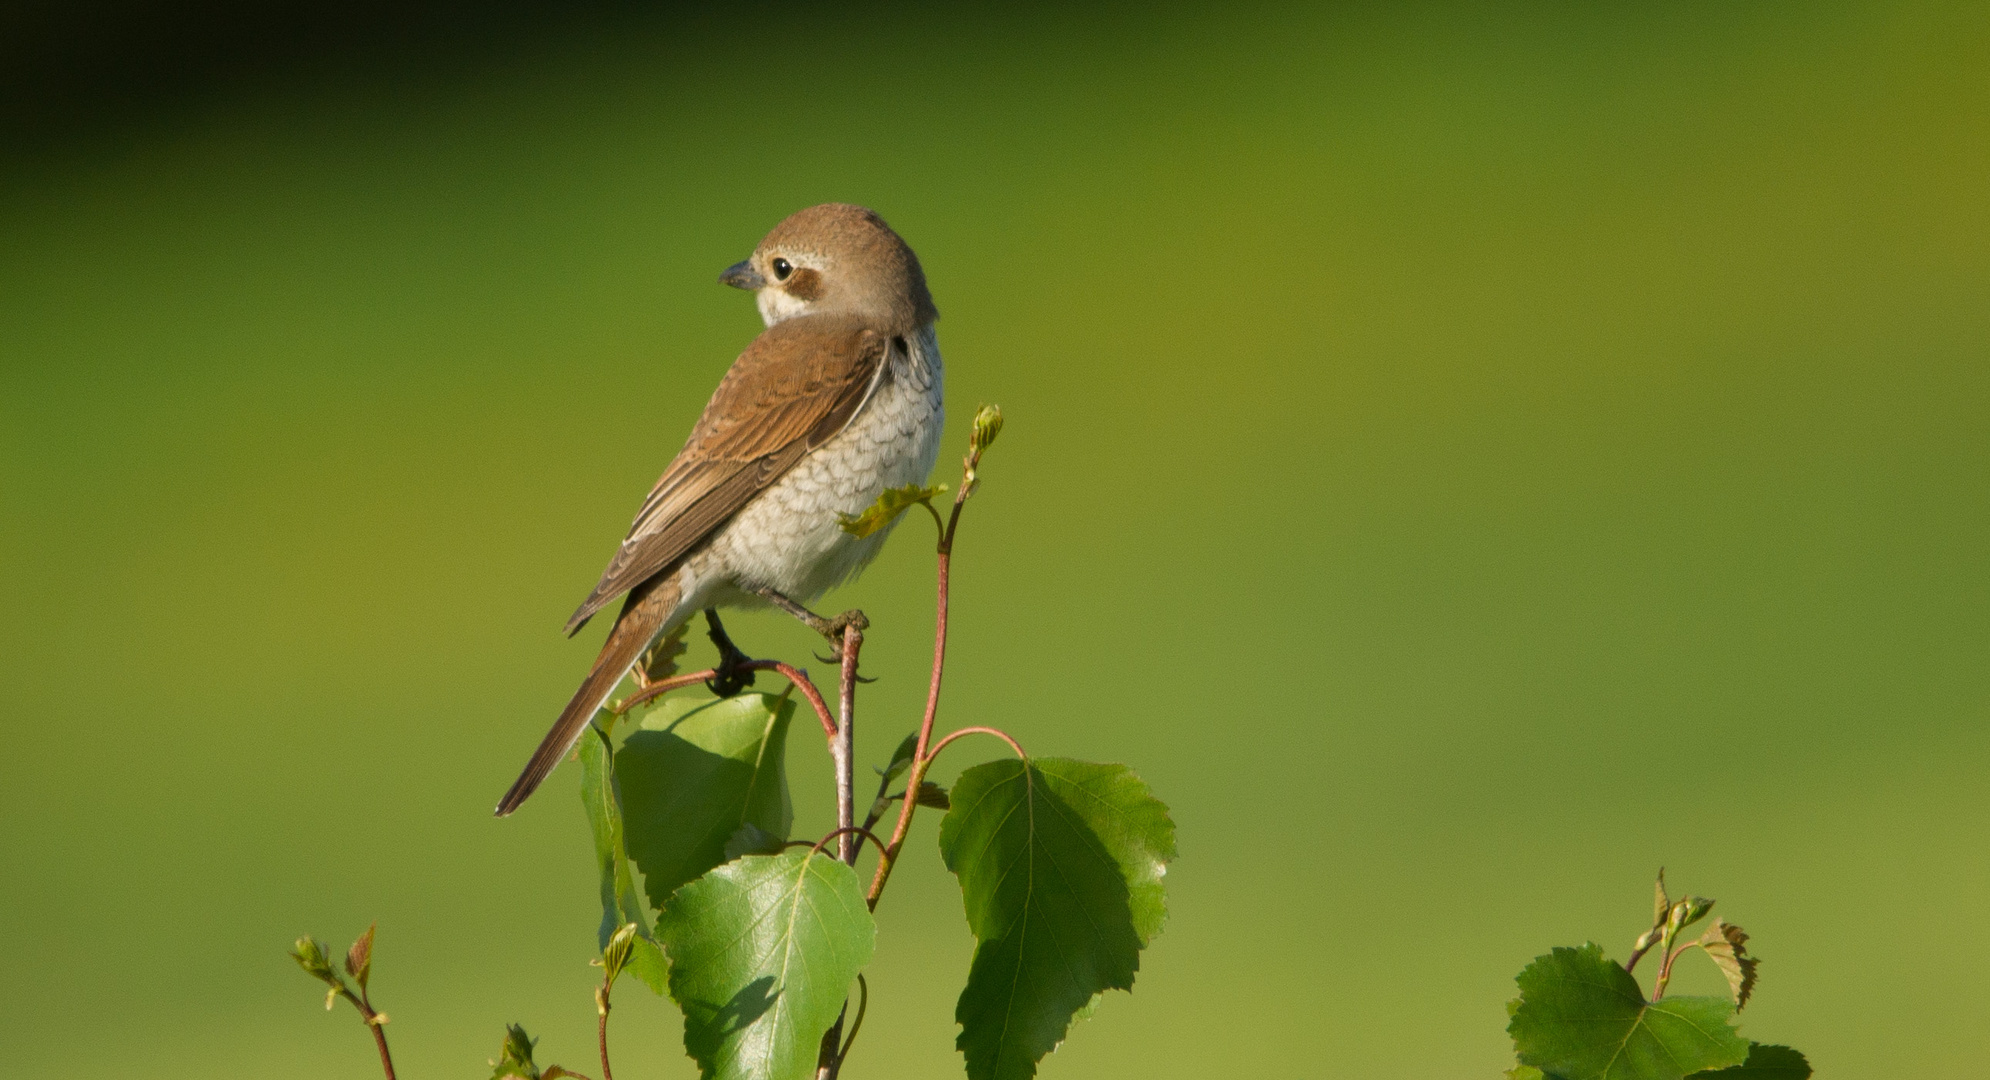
{"x": 792, "y": 390}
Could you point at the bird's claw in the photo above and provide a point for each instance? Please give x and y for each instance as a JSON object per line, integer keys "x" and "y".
{"x": 730, "y": 675}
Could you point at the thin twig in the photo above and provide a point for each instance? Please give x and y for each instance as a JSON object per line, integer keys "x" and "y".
{"x": 863, "y": 1006}
{"x": 845, "y": 747}
{"x": 791, "y": 673}
{"x": 997, "y": 732}
{"x": 920, "y": 759}
{"x": 601, "y": 998}
{"x": 857, "y": 834}
{"x": 374, "y": 1023}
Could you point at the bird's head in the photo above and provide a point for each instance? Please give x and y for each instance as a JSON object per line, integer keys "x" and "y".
{"x": 836, "y": 259}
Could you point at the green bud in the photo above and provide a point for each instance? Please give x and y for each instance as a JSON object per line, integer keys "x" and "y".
{"x": 933, "y": 796}
{"x": 616, "y": 956}
{"x": 311, "y": 957}
{"x": 987, "y": 425}
{"x": 1686, "y": 912}
{"x": 1696, "y": 909}
{"x": 515, "y": 1055}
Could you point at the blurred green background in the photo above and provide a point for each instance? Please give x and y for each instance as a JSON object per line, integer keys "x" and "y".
{"x": 1463, "y": 456}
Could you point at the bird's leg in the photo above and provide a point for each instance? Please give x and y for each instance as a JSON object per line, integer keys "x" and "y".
{"x": 829, "y": 628}
{"x": 729, "y": 677}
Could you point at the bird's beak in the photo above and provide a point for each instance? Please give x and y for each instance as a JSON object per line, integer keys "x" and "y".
{"x": 742, "y": 275}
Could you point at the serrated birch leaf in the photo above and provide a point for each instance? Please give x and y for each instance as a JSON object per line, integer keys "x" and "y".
{"x": 1727, "y": 944}
{"x": 646, "y": 963}
{"x": 659, "y": 661}
{"x": 1582, "y": 1017}
{"x": 620, "y": 903}
{"x": 1764, "y": 1063}
{"x": 891, "y": 503}
{"x": 1060, "y": 865}
{"x": 751, "y": 839}
{"x": 692, "y": 773}
{"x": 762, "y": 952}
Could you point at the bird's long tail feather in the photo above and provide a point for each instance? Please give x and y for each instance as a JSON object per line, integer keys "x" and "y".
{"x": 642, "y": 618}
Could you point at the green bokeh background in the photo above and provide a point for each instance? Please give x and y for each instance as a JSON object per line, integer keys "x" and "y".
{"x": 1463, "y": 456}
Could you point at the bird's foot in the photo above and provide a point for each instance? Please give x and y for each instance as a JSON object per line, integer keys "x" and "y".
{"x": 730, "y": 675}
{"x": 828, "y": 628}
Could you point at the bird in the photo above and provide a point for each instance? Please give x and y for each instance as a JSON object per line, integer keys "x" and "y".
{"x": 837, "y": 399}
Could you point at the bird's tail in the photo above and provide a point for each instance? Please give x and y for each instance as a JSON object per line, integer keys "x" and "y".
{"x": 643, "y": 616}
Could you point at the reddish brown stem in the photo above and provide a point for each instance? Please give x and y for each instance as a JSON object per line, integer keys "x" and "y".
{"x": 606, "y": 1072}
{"x": 794, "y": 675}
{"x": 921, "y": 760}
{"x": 1665, "y": 971}
{"x": 857, "y": 833}
{"x": 380, "y": 1040}
{"x": 376, "y": 1026}
{"x": 997, "y": 732}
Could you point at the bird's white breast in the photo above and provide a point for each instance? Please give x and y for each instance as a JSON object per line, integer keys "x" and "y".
{"x": 790, "y": 537}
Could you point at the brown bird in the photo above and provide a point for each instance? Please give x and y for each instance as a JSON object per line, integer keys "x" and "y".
{"x": 838, "y": 399}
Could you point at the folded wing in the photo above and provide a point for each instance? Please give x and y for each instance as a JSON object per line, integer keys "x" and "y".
{"x": 793, "y": 389}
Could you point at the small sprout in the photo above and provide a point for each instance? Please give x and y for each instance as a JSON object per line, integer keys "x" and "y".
{"x": 1659, "y": 903}
{"x": 616, "y": 956}
{"x": 890, "y": 503}
{"x": 901, "y": 758}
{"x": 933, "y": 796}
{"x": 515, "y": 1056}
{"x": 311, "y": 957}
{"x": 987, "y": 425}
{"x": 1687, "y": 912}
{"x": 359, "y": 958}
{"x": 1647, "y": 939}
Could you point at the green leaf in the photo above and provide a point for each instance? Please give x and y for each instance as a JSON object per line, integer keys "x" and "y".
{"x": 1060, "y": 865}
{"x": 646, "y": 963}
{"x": 1764, "y": 1063}
{"x": 693, "y": 773}
{"x": 891, "y": 503}
{"x": 751, "y": 839}
{"x": 762, "y": 951}
{"x": 901, "y": 758}
{"x": 620, "y": 904}
{"x": 1582, "y": 1017}
{"x": 1526, "y": 1072}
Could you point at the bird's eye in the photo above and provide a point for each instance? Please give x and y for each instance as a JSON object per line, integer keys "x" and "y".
{"x": 782, "y": 268}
